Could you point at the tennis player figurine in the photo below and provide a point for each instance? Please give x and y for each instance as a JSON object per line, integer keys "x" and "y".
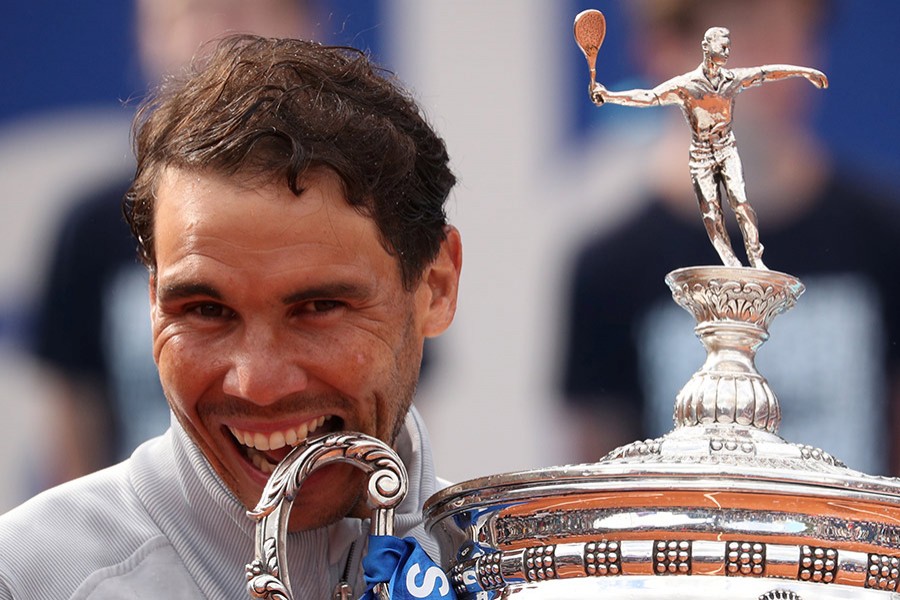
{"x": 706, "y": 96}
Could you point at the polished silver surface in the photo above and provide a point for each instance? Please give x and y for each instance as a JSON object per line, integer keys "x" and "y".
{"x": 652, "y": 588}
{"x": 267, "y": 575}
{"x": 721, "y": 500}
{"x": 764, "y": 521}
{"x": 733, "y": 313}
{"x": 706, "y": 96}
{"x": 721, "y": 506}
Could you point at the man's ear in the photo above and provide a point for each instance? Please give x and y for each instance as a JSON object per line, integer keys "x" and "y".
{"x": 441, "y": 281}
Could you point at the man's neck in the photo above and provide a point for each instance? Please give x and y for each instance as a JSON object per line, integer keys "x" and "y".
{"x": 711, "y": 69}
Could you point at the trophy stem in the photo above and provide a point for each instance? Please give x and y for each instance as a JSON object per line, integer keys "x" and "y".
{"x": 733, "y": 308}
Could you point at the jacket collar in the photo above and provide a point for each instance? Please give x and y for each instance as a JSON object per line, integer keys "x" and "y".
{"x": 208, "y": 526}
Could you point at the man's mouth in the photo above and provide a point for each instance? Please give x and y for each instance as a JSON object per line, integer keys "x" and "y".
{"x": 266, "y": 450}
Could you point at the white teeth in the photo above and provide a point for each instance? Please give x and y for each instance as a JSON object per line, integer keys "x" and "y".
{"x": 260, "y": 441}
{"x": 260, "y": 462}
{"x": 290, "y": 437}
{"x": 278, "y": 439}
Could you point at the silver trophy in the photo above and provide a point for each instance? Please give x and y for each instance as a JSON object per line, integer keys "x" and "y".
{"x": 720, "y": 507}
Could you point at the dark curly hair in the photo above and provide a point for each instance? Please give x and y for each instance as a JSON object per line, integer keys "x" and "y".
{"x": 274, "y": 108}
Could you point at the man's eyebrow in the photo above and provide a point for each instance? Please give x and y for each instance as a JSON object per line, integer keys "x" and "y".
{"x": 348, "y": 291}
{"x": 179, "y": 291}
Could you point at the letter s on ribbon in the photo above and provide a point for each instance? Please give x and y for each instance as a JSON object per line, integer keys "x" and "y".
{"x": 402, "y": 564}
{"x": 433, "y": 577}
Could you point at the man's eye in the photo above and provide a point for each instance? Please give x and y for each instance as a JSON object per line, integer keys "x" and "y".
{"x": 319, "y": 306}
{"x": 210, "y": 310}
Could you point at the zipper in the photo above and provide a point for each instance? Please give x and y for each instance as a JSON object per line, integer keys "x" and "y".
{"x": 343, "y": 590}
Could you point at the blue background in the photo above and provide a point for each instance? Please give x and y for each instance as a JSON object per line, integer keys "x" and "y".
{"x": 60, "y": 54}
{"x": 857, "y": 116}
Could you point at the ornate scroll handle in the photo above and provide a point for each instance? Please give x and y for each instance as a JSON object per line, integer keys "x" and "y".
{"x": 267, "y": 575}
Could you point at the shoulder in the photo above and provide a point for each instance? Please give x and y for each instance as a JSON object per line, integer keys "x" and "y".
{"x": 691, "y": 78}
{"x": 82, "y": 528}
{"x": 679, "y": 82}
{"x": 739, "y": 74}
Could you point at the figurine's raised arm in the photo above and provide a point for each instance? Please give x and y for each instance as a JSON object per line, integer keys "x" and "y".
{"x": 665, "y": 93}
{"x": 753, "y": 76}
{"x": 639, "y": 98}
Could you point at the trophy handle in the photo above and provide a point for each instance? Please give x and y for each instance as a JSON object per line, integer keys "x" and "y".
{"x": 590, "y": 31}
{"x": 267, "y": 575}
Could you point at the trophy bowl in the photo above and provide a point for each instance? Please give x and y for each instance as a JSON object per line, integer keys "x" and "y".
{"x": 705, "y": 510}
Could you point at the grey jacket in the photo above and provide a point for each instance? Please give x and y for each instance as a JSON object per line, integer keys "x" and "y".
{"x": 162, "y": 525}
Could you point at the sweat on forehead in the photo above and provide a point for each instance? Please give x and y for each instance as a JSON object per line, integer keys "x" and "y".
{"x": 273, "y": 108}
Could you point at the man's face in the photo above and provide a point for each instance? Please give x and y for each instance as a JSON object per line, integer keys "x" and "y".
{"x": 718, "y": 48}
{"x": 277, "y": 317}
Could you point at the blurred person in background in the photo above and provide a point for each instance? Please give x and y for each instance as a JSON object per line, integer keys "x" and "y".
{"x": 91, "y": 331}
{"x": 834, "y": 360}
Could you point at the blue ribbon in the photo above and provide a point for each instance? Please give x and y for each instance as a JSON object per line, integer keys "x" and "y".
{"x": 406, "y": 567}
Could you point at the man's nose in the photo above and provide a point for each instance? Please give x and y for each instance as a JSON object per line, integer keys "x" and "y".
{"x": 262, "y": 370}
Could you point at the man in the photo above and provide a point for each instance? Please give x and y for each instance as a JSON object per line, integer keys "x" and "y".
{"x": 706, "y": 96}
{"x": 288, "y": 202}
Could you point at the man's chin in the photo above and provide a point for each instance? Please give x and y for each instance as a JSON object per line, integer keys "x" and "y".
{"x": 305, "y": 520}
{"x": 328, "y": 495}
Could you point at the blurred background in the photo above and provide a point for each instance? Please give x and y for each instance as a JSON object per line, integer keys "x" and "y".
{"x": 542, "y": 173}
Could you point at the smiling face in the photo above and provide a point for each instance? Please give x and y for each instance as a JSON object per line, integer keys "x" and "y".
{"x": 276, "y": 317}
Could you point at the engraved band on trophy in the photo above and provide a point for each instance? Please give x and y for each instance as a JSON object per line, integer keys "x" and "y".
{"x": 267, "y": 576}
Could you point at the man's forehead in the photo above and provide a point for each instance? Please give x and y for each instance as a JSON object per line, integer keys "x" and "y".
{"x": 193, "y": 176}
{"x": 195, "y": 207}
{"x": 180, "y": 185}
